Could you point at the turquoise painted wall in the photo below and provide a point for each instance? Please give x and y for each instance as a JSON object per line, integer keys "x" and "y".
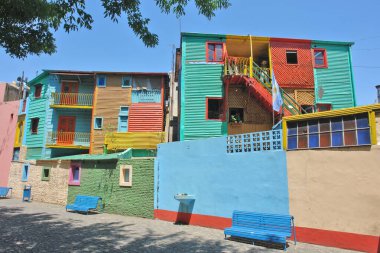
{"x": 221, "y": 182}
{"x": 335, "y": 83}
{"x": 199, "y": 80}
{"x": 101, "y": 178}
{"x": 38, "y": 108}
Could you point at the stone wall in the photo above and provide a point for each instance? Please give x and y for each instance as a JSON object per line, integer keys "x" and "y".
{"x": 54, "y": 190}
{"x": 101, "y": 178}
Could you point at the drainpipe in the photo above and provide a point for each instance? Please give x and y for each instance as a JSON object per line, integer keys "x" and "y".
{"x": 250, "y": 58}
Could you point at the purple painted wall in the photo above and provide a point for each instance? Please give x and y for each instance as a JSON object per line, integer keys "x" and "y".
{"x": 8, "y": 122}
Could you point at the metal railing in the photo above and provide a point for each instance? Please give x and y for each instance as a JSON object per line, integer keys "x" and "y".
{"x": 255, "y": 142}
{"x": 146, "y": 96}
{"x": 247, "y": 67}
{"x": 68, "y": 138}
{"x": 79, "y": 99}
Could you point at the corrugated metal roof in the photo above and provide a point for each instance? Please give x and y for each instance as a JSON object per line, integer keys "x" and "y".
{"x": 145, "y": 117}
{"x": 114, "y": 156}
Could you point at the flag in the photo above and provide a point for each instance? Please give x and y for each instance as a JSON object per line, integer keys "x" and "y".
{"x": 276, "y": 95}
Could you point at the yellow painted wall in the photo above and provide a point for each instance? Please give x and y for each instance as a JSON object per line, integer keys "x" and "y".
{"x": 137, "y": 140}
{"x": 336, "y": 189}
{"x": 19, "y": 131}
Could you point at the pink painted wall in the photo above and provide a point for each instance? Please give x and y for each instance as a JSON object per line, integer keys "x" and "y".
{"x": 7, "y": 135}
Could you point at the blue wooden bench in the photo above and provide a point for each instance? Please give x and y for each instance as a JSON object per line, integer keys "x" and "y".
{"x": 4, "y": 191}
{"x": 84, "y": 204}
{"x": 274, "y": 228}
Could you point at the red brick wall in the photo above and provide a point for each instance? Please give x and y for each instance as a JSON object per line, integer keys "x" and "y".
{"x": 290, "y": 75}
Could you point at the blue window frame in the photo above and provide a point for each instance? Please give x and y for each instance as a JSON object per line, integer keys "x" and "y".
{"x": 123, "y": 119}
{"x": 126, "y": 81}
{"x": 353, "y": 130}
{"x": 101, "y": 81}
{"x": 25, "y": 172}
{"x": 98, "y": 123}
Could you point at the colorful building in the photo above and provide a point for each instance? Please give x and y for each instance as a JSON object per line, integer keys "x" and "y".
{"x": 226, "y": 81}
{"x": 81, "y": 112}
{"x": 9, "y": 107}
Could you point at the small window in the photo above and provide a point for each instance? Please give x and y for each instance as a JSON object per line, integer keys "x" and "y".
{"x": 214, "y": 108}
{"x": 45, "y": 175}
{"x": 38, "y": 91}
{"x": 16, "y": 154}
{"x": 25, "y": 172}
{"x": 323, "y": 107}
{"x": 124, "y": 110}
{"x": 236, "y": 115}
{"x": 123, "y": 124}
{"x": 125, "y": 175}
{"x": 320, "y": 59}
{"x": 98, "y": 123}
{"x": 307, "y": 109}
{"x": 214, "y": 52}
{"x": 74, "y": 174}
{"x": 126, "y": 82}
{"x": 101, "y": 81}
{"x": 291, "y": 57}
{"x": 34, "y": 125}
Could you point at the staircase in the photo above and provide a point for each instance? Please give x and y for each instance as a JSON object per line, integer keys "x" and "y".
{"x": 241, "y": 70}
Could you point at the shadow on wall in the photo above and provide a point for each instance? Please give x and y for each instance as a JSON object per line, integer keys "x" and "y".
{"x": 42, "y": 232}
{"x": 185, "y": 210}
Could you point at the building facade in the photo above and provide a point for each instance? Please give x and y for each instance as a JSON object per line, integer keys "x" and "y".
{"x": 226, "y": 81}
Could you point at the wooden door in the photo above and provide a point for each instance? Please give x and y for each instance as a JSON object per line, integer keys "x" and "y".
{"x": 69, "y": 93}
{"x": 66, "y": 130}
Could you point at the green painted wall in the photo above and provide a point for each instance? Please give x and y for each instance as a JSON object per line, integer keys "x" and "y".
{"x": 101, "y": 178}
{"x": 335, "y": 83}
{"x": 199, "y": 80}
{"x": 38, "y": 108}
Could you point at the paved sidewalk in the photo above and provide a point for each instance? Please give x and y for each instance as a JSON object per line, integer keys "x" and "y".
{"x": 40, "y": 227}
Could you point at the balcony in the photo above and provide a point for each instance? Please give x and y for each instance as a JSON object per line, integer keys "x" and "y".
{"x": 74, "y": 140}
{"x": 71, "y": 100}
{"x": 146, "y": 96}
{"x": 136, "y": 140}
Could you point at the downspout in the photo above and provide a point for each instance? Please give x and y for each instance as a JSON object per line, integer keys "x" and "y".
{"x": 251, "y": 58}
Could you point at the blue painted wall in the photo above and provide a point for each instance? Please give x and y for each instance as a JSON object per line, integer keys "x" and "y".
{"x": 221, "y": 182}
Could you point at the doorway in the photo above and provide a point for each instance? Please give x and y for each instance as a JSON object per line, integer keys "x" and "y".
{"x": 66, "y": 130}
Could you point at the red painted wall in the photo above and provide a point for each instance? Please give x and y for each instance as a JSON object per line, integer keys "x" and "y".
{"x": 145, "y": 117}
{"x": 299, "y": 75}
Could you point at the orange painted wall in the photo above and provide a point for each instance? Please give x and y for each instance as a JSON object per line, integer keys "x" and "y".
{"x": 145, "y": 117}
{"x": 299, "y": 75}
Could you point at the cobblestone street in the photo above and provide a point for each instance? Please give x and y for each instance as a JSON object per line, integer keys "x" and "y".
{"x": 40, "y": 227}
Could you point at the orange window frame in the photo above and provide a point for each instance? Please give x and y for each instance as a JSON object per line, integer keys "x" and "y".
{"x": 214, "y": 53}
{"x": 325, "y": 64}
{"x": 223, "y": 118}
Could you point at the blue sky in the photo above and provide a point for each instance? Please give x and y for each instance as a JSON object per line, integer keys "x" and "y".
{"x": 113, "y": 47}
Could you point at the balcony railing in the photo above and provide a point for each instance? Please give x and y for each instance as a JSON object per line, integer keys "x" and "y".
{"x": 137, "y": 140}
{"x": 255, "y": 142}
{"x": 71, "y": 99}
{"x": 68, "y": 139}
{"x": 146, "y": 96}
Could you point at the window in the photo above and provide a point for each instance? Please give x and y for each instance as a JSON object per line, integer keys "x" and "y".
{"x": 307, "y": 109}
{"x": 34, "y": 125}
{"x": 126, "y": 81}
{"x": 323, "y": 107}
{"x": 291, "y": 57}
{"x": 25, "y": 172}
{"x": 123, "y": 119}
{"x": 343, "y": 131}
{"x": 101, "y": 81}
{"x": 38, "y": 91}
{"x": 236, "y": 115}
{"x": 125, "y": 175}
{"x": 74, "y": 174}
{"x": 214, "y": 108}
{"x": 214, "y": 51}
{"x": 16, "y": 154}
{"x": 320, "y": 58}
{"x": 45, "y": 174}
{"x": 98, "y": 123}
